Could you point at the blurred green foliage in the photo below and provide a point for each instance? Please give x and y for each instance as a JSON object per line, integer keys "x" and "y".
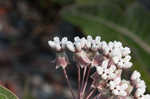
{"x": 137, "y": 19}
{"x": 63, "y": 2}
{"x": 130, "y": 14}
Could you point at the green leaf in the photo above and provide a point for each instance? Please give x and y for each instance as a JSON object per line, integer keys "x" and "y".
{"x": 6, "y": 94}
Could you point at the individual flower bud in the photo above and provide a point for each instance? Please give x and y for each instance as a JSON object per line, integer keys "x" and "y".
{"x": 129, "y": 89}
{"x": 98, "y": 38}
{"x": 125, "y": 51}
{"x": 70, "y": 46}
{"x": 119, "y": 91}
{"x": 56, "y": 39}
{"x": 124, "y": 86}
{"x": 89, "y": 38}
{"x": 105, "y": 74}
{"x": 76, "y": 39}
{"x": 112, "y": 68}
{"x": 99, "y": 70}
{"x": 141, "y": 84}
{"x": 104, "y": 44}
{"x": 135, "y": 75}
{"x": 111, "y": 45}
{"x": 139, "y": 92}
{"x": 106, "y": 50}
{"x": 78, "y": 46}
{"x": 98, "y": 41}
{"x": 127, "y": 58}
{"x": 115, "y": 52}
{"x": 117, "y": 44}
{"x": 89, "y": 42}
{"x": 116, "y": 59}
{"x": 83, "y": 42}
{"x": 52, "y": 44}
{"x": 64, "y": 42}
{"x": 127, "y": 65}
{"x": 94, "y": 46}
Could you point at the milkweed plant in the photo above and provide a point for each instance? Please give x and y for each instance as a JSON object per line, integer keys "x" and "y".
{"x": 110, "y": 60}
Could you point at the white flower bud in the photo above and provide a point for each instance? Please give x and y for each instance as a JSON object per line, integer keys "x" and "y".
{"x": 112, "y": 68}
{"x": 124, "y": 86}
{"x": 135, "y": 75}
{"x": 139, "y": 92}
{"x": 89, "y": 38}
{"x": 70, "y": 46}
{"x": 117, "y": 44}
{"x": 97, "y": 40}
{"x": 56, "y": 39}
{"x": 83, "y": 42}
{"x": 78, "y": 46}
{"x": 94, "y": 46}
{"x": 127, "y": 65}
{"x": 52, "y": 44}
{"x": 125, "y": 51}
{"x": 99, "y": 70}
{"x": 111, "y": 45}
{"x": 64, "y": 41}
{"x": 141, "y": 84}
{"x": 76, "y": 39}
{"x": 115, "y": 52}
{"x": 127, "y": 58}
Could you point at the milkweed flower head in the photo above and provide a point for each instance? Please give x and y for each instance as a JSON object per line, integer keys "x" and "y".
{"x": 109, "y": 59}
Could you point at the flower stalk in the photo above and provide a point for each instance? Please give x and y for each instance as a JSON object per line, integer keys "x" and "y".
{"x": 68, "y": 82}
{"x": 79, "y": 80}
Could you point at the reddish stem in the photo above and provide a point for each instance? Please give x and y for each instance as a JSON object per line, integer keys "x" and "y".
{"x": 90, "y": 94}
{"x": 86, "y": 81}
{"x": 68, "y": 82}
{"x": 97, "y": 96}
{"x": 79, "y": 80}
{"x": 84, "y": 73}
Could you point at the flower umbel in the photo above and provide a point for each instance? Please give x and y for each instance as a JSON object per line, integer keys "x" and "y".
{"x": 109, "y": 60}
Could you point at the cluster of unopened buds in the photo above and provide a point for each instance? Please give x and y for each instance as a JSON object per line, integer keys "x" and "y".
{"x": 108, "y": 60}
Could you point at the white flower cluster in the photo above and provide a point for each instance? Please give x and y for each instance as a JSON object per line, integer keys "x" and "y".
{"x": 140, "y": 86}
{"x": 112, "y": 74}
{"x": 118, "y": 87}
{"x": 118, "y": 53}
{"x": 115, "y": 59}
{"x": 115, "y": 50}
{"x": 105, "y": 72}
